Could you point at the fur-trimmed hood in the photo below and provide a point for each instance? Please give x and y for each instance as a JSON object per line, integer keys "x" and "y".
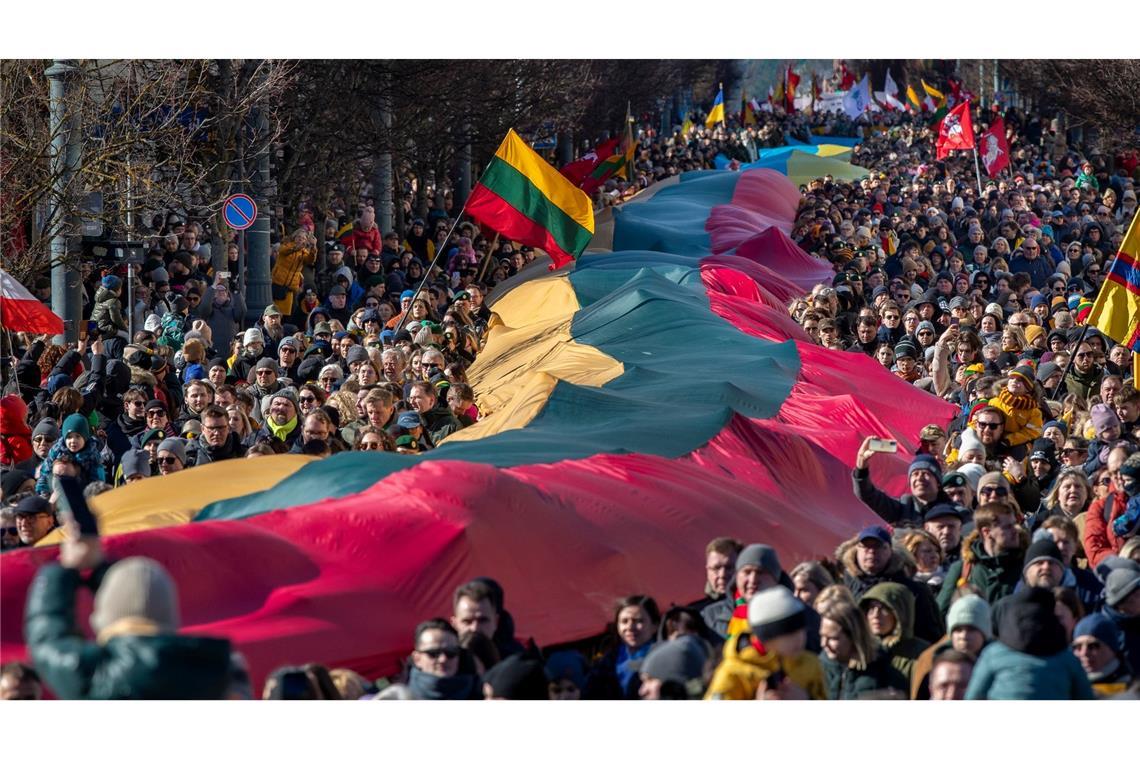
{"x": 845, "y": 555}
{"x": 142, "y": 377}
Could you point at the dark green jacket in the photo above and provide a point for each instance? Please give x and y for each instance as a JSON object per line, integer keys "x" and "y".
{"x": 994, "y": 577}
{"x": 162, "y": 666}
{"x": 843, "y": 682}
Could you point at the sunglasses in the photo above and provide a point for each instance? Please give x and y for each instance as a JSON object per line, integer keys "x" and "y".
{"x": 43, "y": 439}
{"x": 924, "y": 332}
{"x": 994, "y": 491}
{"x": 988, "y": 425}
{"x": 266, "y": 372}
{"x": 430, "y": 366}
{"x": 166, "y": 460}
{"x": 1085, "y": 355}
{"x": 306, "y": 398}
{"x": 11, "y": 532}
{"x": 156, "y": 413}
{"x": 435, "y": 654}
{"x": 287, "y": 350}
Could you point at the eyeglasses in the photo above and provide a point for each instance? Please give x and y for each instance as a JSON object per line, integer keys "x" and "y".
{"x": 890, "y": 317}
{"x": 435, "y": 654}
{"x": 988, "y": 425}
{"x": 287, "y": 350}
{"x": 138, "y": 402}
{"x": 1105, "y": 481}
{"x": 1085, "y": 355}
{"x": 215, "y": 428}
{"x": 166, "y": 460}
{"x": 994, "y": 491}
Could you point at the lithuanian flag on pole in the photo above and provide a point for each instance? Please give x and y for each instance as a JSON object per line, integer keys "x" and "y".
{"x": 526, "y": 199}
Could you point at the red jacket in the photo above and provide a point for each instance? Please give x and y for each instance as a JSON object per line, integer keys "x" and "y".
{"x": 367, "y": 239}
{"x": 1100, "y": 541}
{"x": 15, "y": 436}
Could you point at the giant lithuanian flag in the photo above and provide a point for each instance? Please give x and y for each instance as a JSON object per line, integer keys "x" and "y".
{"x": 526, "y": 199}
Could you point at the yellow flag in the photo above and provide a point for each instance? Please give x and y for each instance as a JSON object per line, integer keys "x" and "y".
{"x": 939, "y": 98}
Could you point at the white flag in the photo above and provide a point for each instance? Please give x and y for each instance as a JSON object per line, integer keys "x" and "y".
{"x": 858, "y": 98}
{"x": 890, "y": 88}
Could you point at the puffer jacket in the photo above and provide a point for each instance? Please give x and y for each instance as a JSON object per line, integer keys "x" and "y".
{"x": 901, "y": 644}
{"x": 108, "y": 313}
{"x": 744, "y": 666}
{"x": 928, "y": 623}
{"x": 131, "y": 662}
{"x": 994, "y": 577}
{"x": 286, "y": 277}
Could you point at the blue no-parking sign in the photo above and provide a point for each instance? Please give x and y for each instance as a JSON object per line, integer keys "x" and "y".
{"x": 239, "y": 211}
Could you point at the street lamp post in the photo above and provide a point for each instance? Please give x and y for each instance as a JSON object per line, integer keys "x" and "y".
{"x": 65, "y": 293}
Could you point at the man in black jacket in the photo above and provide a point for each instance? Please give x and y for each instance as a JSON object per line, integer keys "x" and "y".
{"x": 924, "y": 477}
{"x": 218, "y": 441}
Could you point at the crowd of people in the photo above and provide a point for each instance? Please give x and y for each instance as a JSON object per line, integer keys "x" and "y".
{"x": 1007, "y": 570}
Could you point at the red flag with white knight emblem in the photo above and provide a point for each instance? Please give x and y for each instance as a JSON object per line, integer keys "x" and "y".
{"x": 955, "y": 132}
{"x": 993, "y": 148}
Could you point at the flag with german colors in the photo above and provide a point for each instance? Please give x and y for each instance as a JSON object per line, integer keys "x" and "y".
{"x": 526, "y": 199}
{"x": 1116, "y": 312}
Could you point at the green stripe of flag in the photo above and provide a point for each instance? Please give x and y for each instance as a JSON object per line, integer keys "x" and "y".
{"x": 513, "y": 187}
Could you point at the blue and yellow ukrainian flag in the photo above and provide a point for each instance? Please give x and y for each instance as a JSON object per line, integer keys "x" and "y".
{"x": 1116, "y": 312}
{"x": 716, "y": 115}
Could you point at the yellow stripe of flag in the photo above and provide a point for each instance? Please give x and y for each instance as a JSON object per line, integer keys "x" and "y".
{"x": 558, "y": 190}
{"x": 1116, "y": 312}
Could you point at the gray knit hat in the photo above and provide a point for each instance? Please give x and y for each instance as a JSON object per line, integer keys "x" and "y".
{"x": 136, "y": 587}
{"x": 48, "y": 427}
{"x": 1120, "y": 583}
{"x": 762, "y": 556}
{"x": 679, "y": 661}
{"x": 970, "y": 610}
{"x": 175, "y": 446}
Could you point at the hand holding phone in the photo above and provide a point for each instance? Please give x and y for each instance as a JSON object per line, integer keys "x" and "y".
{"x": 883, "y": 445}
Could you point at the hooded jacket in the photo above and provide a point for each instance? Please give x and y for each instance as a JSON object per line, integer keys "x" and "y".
{"x": 137, "y": 664}
{"x": 1031, "y": 658}
{"x": 901, "y": 644}
{"x": 15, "y": 435}
{"x": 744, "y": 666}
{"x": 928, "y": 623}
{"x": 1130, "y": 631}
{"x": 108, "y": 312}
{"x": 993, "y": 576}
{"x": 286, "y": 277}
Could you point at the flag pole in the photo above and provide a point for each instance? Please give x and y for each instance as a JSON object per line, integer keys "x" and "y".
{"x": 486, "y": 260}
{"x": 1088, "y": 324}
{"x": 977, "y": 170}
{"x": 439, "y": 253}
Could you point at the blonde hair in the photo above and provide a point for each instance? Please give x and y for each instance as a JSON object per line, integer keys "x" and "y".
{"x": 854, "y": 623}
{"x": 349, "y": 683}
{"x": 344, "y": 402}
{"x": 836, "y": 592}
{"x": 914, "y": 537}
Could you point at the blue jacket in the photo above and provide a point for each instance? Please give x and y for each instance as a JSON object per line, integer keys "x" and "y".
{"x": 1005, "y": 673}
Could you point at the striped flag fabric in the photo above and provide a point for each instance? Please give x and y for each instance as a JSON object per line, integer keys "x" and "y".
{"x": 1116, "y": 312}
{"x": 20, "y": 311}
{"x": 716, "y": 115}
{"x": 524, "y": 198}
